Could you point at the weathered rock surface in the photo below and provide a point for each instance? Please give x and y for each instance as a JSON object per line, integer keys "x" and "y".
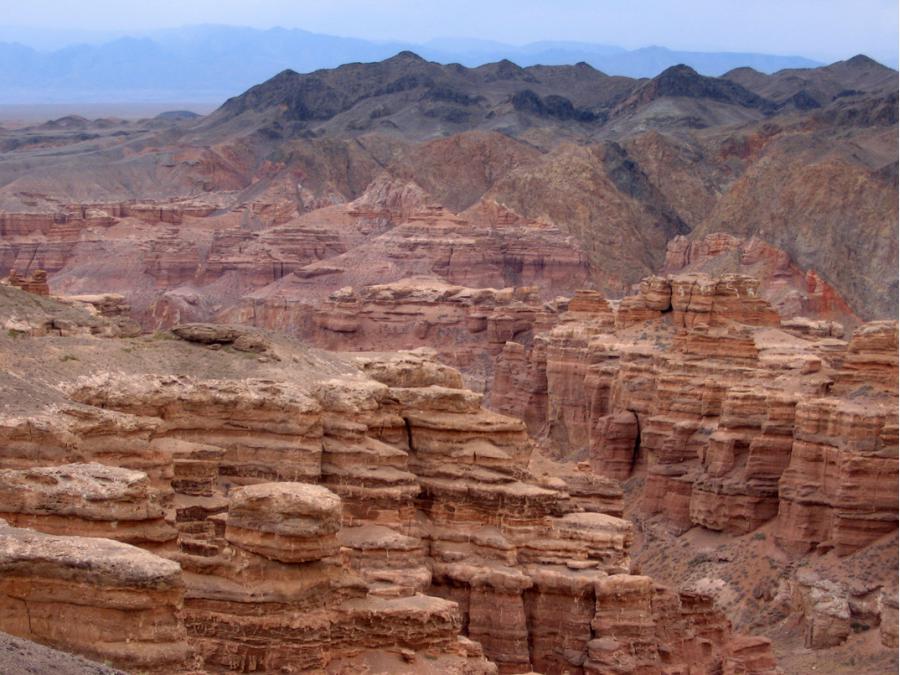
{"x": 35, "y": 283}
{"x": 888, "y": 602}
{"x": 789, "y": 289}
{"x": 729, "y": 422}
{"x": 288, "y": 522}
{"x": 94, "y": 596}
{"x": 416, "y": 519}
{"x": 32, "y": 314}
{"x": 463, "y": 286}
{"x": 86, "y": 500}
{"x": 706, "y": 398}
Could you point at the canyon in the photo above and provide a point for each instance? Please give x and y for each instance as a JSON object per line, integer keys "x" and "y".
{"x": 237, "y": 501}
{"x": 405, "y": 367}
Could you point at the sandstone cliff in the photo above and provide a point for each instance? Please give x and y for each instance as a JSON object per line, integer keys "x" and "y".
{"x": 722, "y": 416}
{"x": 316, "y": 512}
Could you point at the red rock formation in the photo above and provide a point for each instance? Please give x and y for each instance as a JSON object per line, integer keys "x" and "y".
{"x": 700, "y": 301}
{"x": 431, "y": 494}
{"x": 435, "y": 243}
{"x": 871, "y": 358}
{"x": 731, "y": 423}
{"x": 97, "y": 597}
{"x": 276, "y": 428}
{"x": 467, "y": 326}
{"x": 519, "y": 387}
{"x": 35, "y": 283}
{"x": 616, "y": 450}
{"x": 91, "y": 500}
{"x": 791, "y": 290}
{"x": 275, "y": 554}
{"x": 710, "y": 407}
{"x": 841, "y": 484}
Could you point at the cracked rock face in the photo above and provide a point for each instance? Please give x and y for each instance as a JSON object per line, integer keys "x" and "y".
{"x": 289, "y": 522}
{"x": 94, "y": 596}
{"x": 416, "y": 524}
{"x": 87, "y": 499}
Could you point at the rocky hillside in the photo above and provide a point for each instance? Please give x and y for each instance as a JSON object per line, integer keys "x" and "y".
{"x": 417, "y": 99}
{"x": 765, "y": 450}
{"x": 803, "y": 161}
{"x": 219, "y": 499}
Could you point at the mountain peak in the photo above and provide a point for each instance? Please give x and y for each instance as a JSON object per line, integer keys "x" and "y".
{"x": 407, "y": 56}
{"x": 682, "y": 81}
{"x": 679, "y": 70}
{"x": 862, "y": 61}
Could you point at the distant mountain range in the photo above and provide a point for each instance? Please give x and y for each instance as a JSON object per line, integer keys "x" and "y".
{"x": 409, "y": 97}
{"x": 804, "y": 159}
{"x": 211, "y": 63}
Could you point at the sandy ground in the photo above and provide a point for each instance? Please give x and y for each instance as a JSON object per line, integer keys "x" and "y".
{"x": 859, "y": 655}
{"x": 28, "y": 658}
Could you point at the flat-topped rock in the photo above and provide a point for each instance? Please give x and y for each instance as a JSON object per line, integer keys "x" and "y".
{"x": 87, "y": 499}
{"x": 207, "y": 333}
{"x": 97, "y": 597}
{"x": 89, "y": 560}
{"x": 93, "y": 491}
{"x": 240, "y": 338}
{"x": 409, "y": 369}
{"x": 290, "y": 522}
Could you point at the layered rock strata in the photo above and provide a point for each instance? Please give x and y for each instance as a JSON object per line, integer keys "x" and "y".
{"x": 91, "y": 500}
{"x": 467, "y": 326}
{"x": 34, "y": 283}
{"x": 730, "y": 417}
{"x": 326, "y": 508}
{"x": 732, "y": 421}
{"x": 790, "y": 289}
{"x": 101, "y": 598}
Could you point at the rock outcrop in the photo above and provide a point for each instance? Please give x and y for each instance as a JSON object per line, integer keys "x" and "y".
{"x": 731, "y": 422}
{"x": 706, "y": 393}
{"x": 104, "y": 599}
{"x": 35, "y": 283}
{"x": 91, "y": 500}
{"x": 331, "y": 508}
{"x": 467, "y": 326}
{"x": 790, "y": 290}
{"x": 464, "y": 286}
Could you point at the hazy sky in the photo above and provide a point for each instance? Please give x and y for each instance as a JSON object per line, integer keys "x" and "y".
{"x": 822, "y": 29}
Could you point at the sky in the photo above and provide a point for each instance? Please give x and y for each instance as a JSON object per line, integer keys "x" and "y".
{"x": 825, "y": 30}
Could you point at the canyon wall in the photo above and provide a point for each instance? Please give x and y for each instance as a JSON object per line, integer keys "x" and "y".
{"x": 731, "y": 419}
{"x": 340, "y": 512}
